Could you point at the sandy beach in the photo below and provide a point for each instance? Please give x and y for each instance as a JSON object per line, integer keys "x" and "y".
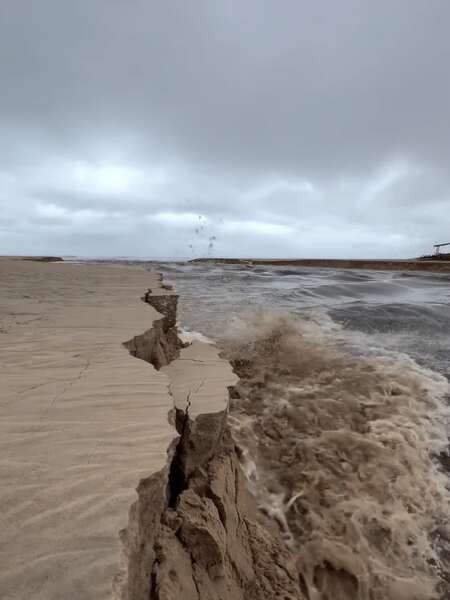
{"x": 136, "y": 464}
{"x": 82, "y": 421}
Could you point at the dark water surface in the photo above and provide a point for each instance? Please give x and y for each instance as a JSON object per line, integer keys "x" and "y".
{"x": 403, "y": 311}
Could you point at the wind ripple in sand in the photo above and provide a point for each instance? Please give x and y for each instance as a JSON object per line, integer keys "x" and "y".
{"x": 339, "y": 449}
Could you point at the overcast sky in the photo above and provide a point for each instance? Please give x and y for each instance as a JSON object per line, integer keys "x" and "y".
{"x": 259, "y": 128}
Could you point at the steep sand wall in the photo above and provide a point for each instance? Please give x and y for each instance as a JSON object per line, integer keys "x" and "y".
{"x": 160, "y": 344}
{"x": 195, "y": 531}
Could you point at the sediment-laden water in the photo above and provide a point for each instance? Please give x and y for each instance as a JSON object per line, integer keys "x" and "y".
{"x": 341, "y": 416}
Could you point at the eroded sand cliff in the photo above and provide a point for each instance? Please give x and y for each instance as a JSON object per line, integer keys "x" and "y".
{"x": 195, "y": 531}
{"x": 83, "y": 420}
{"x": 99, "y": 393}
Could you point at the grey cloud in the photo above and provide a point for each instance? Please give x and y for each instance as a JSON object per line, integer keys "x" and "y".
{"x": 288, "y": 114}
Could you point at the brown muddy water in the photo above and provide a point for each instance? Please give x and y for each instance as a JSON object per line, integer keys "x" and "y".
{"x": 341, "y": 416}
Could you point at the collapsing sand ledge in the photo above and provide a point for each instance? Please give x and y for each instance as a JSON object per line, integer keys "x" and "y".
{"x": 195, "y": 531}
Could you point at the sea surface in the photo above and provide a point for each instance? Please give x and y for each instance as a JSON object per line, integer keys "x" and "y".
{"x": 341, "y": 415}
{"x": 403, "y": 311}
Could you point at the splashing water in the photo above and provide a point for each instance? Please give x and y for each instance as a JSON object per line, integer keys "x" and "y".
{"x": 341, "y": 416}
{"x": 338, "y": 449}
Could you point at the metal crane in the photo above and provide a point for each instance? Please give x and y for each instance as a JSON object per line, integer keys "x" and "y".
{"x": 437, "y": 247}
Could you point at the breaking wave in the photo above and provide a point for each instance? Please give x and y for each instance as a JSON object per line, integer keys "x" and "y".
{"x": 341, "y": 448}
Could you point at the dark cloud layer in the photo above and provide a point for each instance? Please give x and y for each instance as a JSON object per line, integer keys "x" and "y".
{"x": 293, "y": 128}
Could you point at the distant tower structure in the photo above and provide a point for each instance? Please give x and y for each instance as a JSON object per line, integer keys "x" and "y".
{"x": 437, "y": 247}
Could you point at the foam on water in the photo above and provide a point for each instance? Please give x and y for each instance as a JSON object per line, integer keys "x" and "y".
{"x": 188, "y": 337}
{"x": 340, "y": 449}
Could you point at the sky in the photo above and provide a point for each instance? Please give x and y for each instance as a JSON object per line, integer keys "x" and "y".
{"x": 255, "y": 128}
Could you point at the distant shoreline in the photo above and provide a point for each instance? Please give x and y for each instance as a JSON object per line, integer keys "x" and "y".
{"x": 46, "y": 259}
{"x": 411, "y": 264}
{"x": 331, "y": 263}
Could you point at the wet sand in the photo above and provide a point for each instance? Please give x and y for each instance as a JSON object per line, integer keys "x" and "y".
{"x": 81, "y": 420}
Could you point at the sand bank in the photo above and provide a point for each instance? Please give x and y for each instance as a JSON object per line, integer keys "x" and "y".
{"x": 328, "y": 263}
{"x": 100, "y": 396}
{"x": 82, "y": 419}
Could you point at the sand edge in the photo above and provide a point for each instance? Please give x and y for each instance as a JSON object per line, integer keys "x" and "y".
{"x": 195, "y": 530}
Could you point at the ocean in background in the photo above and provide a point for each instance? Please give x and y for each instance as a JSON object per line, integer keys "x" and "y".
{"x": 402, "y": 311}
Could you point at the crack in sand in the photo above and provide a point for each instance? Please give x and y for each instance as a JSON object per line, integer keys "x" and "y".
{"x": 193, "y": 532}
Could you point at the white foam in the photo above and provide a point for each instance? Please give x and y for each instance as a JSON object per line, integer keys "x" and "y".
{"x": 188, "y": 337}
{"x": 340, "y": 439}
